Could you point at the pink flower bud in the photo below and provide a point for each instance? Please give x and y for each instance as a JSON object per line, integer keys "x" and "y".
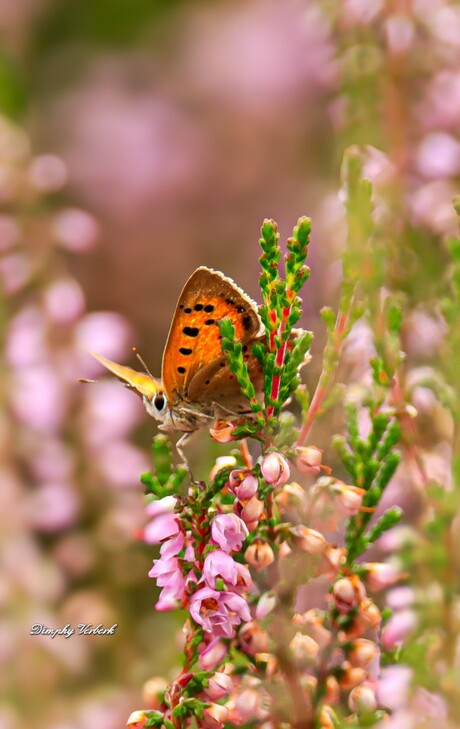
{"x": 398, "y": 628}
{"x": 349, "y": 499}
{"x": 291, "y": 496}
{"x": 137, "y": 720}
{"x": 212, "y": 655}
{"x": 266, "y": 603}
{"x": 362, "y": 653}
{"x": 222, "y": 462}
{"x": 259, "y": 554}
{"x": 368, "y": 617}
{"x": 304, "y": 649}
{"x": 250, "y": 512}
{"x": 243, "y": 483}
{"x": 275, "y": 469}
{"x": 214, "y": 716}
{"x": 332, "y": 695}
{"x": 312, "y": 623}
{"x": 309, "y": 540}
{"x": 352, "y": 676}
{"x": 348, "y": 593}
{"x": 219, "y": 685}
{"x": 333, "y": 558}
{"x": 222, "y": 432}
{"x": 153, "y": 691}
{"x": 308, "y": 460}
{"x": 380, "y": 575}
{"x": 253, "y": 639}
{"x": 165, "y": 505}
{"x": 249, "y": 706}
{"x": 362, "y": 699}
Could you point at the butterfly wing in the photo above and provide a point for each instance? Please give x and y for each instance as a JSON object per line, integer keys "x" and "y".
{"x": 194, "y": 341}
{"x": 214, "y": 383}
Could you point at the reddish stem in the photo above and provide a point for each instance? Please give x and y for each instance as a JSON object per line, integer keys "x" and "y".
{"x": 279, "y": 361}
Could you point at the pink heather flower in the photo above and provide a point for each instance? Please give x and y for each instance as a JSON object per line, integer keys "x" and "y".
{"x": 309, "y": 540}
{"x": 161, "y": 527}
{"x": 253, "y": 639}
{"x": 212, "y": 655}
{"x": 275, "y": 469}
{"x": 397, "y": 629}
{"x": 76, "y": 230}
{"x": 214, "y": 716}
{"x": 308, "y": 460}
{"x": 380, "y": 575}
{"x": 137, "y": 720}
{"x": 161, "y": 506}
{"x": 362, "y": 699}
{"x": 168, "y": 575}
{"x": 64, "y": 301}
{"x": 219, "y": 685}
{"x": 219, "y": 564}
{"x": 222, "y": 432}
{"x": 259, "y": 554}
{"x": 250, "y": 705}
{"x": 304, "y": 649}
{"x": 266, "y": 603}
{"x": 229, "y": 532}
{"x": 242, "y": 483}
{"x": 172, "y": 546}
{"x": 393, "y": 686}
{"x": 47, "y": 173}
{"x": 243, "y": 580}
{"x": 363, "y": 652}
{"x": 249, "y": 511}
{"x": 218, "y": 612}
{"x": 348, "y": 593}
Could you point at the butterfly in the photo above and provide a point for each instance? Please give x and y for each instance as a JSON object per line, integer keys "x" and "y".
{"x": 196, "y": 386}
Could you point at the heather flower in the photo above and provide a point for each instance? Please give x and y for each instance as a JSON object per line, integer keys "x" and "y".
{"x": 380, "y": 575}
{"x": 253, "y": 639}
{"x": 304, "y": 649}
{"x": 218, "y": 612}
{"x": 308, "y": 460}
{"x": 214, "y": 716}
{"x": 363, "y": 652}
{"x": 348, "y": 593}
{"x": 243, "y": 579}
{"x": 249, "y": 511}
{"x": 219, "y": 685}
{"x": 137, "y": 720}
{"x": 291, "y": 496}
{"x": 222, "y": 432}
{"x": 275, "y": 469}
{"x": 362, "y": 699}
{"x": 249, "y": 706}
{"x": 212, "y": 655}
{"x": 309, "y": 540}
{"x": 160, "y": 528}
{"x": 229, "y": 532}
{"x": 243, "y": 484}
{"x": 219, "y": 564}
{"x": 259, "y": 554}
{"x": 398, "y": 628}
{"x": 265, "y": 605}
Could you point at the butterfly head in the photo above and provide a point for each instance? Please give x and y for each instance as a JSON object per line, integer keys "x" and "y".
{"x": 149, "y": 388}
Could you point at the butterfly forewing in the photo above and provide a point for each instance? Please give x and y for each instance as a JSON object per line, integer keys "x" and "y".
{"x": 194, "y": 342}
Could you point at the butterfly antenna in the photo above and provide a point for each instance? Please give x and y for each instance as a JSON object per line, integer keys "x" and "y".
{"x": 142, "y": 361}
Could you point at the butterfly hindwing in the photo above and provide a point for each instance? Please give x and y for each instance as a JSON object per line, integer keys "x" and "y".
{"x": 215, "y": 384}
{"x": 194, "y": 341}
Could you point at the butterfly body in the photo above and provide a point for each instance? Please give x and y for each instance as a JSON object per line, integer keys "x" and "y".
{"x": 197, "y": 387}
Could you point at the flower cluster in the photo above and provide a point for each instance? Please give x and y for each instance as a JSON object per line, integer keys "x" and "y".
{"x": 244, "y": 555}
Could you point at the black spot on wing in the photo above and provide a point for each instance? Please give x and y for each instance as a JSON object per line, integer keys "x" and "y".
{"x": 209, "y": 322}
{"x": 247, "y": 321}
{"x": 191, "y": 331}
{"x": 198, "y": 307}
{"x": 208, "y": 308}
{"x": 181, "y": 370}
{"x": 185, "y": 350}
{"x": 187, "y": 310}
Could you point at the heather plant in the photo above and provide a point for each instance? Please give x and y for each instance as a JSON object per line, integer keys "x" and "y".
{"x": 241, "y": 552}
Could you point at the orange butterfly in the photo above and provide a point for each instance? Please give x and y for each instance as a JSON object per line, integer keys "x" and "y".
{"x": 196, "y": 386}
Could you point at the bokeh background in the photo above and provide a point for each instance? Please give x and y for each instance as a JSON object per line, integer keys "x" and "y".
{"x": 140, "y": 139}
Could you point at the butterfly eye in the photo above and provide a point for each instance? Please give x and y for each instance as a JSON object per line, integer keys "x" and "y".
{"x": 159, "y": 402}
